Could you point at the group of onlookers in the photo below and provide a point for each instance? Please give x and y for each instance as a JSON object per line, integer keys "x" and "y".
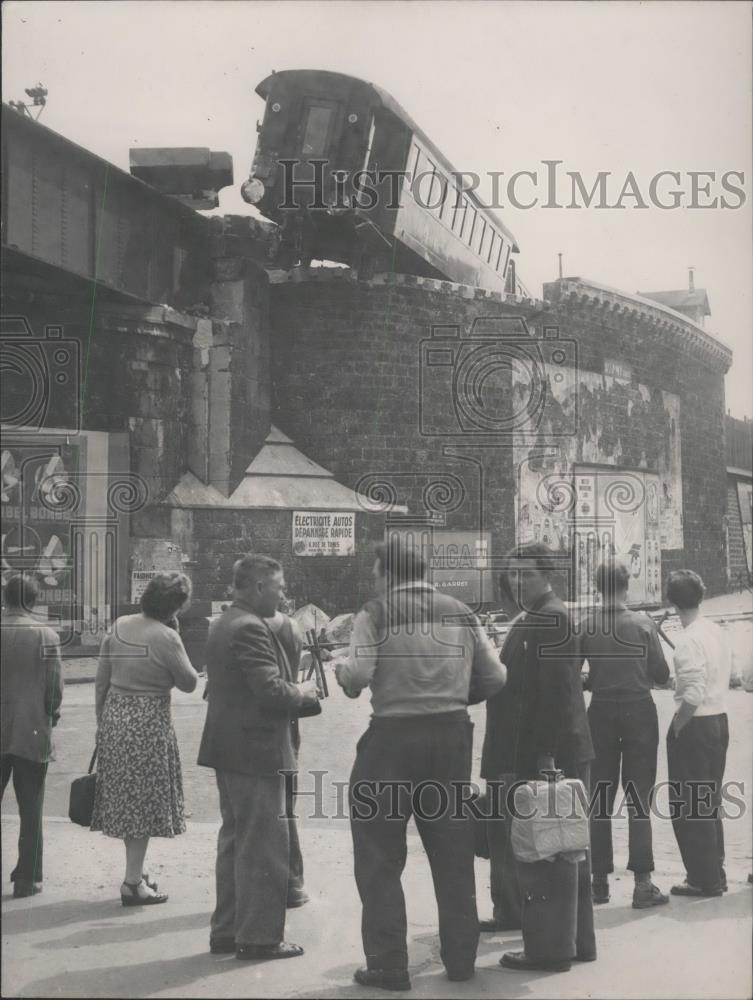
{"x": 425, "y": 657}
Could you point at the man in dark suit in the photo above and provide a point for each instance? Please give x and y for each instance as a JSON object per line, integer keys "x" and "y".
{"x": 536, "y": 723}
{"x": 30, "y": 697}
{"x": 290, "y": 636}
{"x": 247, "y": 739}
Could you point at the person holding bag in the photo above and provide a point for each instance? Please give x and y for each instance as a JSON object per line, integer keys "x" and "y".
{"x": 139, "y": 790}
{"x": 536, "y": 724}
{"x": 32, "y": 690}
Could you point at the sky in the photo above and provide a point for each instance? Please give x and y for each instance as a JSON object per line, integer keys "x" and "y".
{"x": 619, "y": 87}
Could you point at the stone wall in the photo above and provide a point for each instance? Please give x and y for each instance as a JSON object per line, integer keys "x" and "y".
{"x": 667, "y": 357}
{"x": 352, "y": 385}
{"x": 337, "y": 584}
{"x": 132, "y": 377}
{"x": 738, "y": 558}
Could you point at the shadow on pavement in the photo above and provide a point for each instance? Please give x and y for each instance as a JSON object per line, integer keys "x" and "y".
{"x": 732, "y": 906}
{"x": 24, "y": 916}
{"x": 130, "y": 928}
{"x": 135, "y": 980}
{"x": 493, "y": 982}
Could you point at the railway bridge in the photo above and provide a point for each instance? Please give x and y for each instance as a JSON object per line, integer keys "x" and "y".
{"x": 174, "y": 396}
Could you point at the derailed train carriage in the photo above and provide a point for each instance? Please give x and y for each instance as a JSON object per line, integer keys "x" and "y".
{"x": 349, "y": 177}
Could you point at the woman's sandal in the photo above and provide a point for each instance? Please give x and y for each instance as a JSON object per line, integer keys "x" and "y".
{"x": 133, "y": 897}
{"x": 148, "y": 882}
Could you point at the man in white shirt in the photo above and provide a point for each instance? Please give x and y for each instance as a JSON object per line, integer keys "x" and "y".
{"x": 697, "y": 739}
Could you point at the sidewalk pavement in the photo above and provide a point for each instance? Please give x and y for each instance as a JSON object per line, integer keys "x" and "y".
{"x": 76, "y": 940}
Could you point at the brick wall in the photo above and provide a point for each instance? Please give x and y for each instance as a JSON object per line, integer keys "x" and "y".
{"x": 337, "y": 584}
{"x": 133, "y": 378}
{"x": 347, "y": 388}
{"x": 663, "y": 360}
{"x": 738, "y": 565}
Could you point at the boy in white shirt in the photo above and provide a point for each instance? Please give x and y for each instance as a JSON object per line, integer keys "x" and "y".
{"x": 697, "y": 739}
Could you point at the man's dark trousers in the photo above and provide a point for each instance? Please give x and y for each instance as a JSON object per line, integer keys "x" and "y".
{"x": 698, "y": 757}
{"x": 626, "y": 733}
{"x": 28, "y": 784}
{"x": 252, "y": 859}
{"x": 295, "y": 863}
{"x": 433, "y": 748}
{"x": 506, "y": 889}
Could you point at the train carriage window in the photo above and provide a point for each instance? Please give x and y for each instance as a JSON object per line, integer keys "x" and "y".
{"x": 459, "y": 208}
{"x": 317, "y": 127}
{"x": 462, "y": 217}
{"x": 428, "y": 186}
{"x": 445, "y": 199}
{"x": 367, "y": 165}
{"x": 499, "y": 255}
{"x": 507, "y": 258}
{"x": 473, "y": 229}
{"x": 492, "y": 245}
{"x": 415, "y": 160}
{"x": 483, "y": 236}
{"x": 432, "y": 194}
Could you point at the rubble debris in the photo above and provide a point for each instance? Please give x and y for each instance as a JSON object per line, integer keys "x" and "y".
{"x": 339, "y": 629}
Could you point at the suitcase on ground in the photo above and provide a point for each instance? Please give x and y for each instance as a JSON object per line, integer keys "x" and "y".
{"x": 557, "y": 912}
{"x": 550, "y": 908}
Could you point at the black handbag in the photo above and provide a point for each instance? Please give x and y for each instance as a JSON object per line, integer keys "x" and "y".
{"x": 480, "y": 825}
{"x": 81, "y": 801}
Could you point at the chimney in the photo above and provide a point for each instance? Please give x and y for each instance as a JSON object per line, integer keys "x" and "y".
{"x": 691, "y": 283}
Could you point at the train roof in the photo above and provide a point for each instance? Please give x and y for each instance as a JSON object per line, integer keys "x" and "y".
{"x": 389, "y": 102}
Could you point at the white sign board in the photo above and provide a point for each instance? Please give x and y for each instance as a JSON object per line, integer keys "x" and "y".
{"x": 321, "y": 533}
{"x": 139, "y": 580}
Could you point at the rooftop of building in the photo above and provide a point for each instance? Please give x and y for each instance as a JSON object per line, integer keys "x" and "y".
{"x": 651, "y": 309}
{"x": 280, "y": 477}
{"x": 681, "y": 298}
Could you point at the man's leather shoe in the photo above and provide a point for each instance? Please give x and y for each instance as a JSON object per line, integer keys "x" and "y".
{"x": 460, "y": 975}
{"x": 686, "y": 889}
{"x": 383, "y": 979}
{"x": 646, "y": 896}
{"x": 521, "y": 962}
{"x": 22, "y": 888}
{"x": 599, "y": 891}
{"x": 297, "y": 898}
{"x": 267, "y": 952}
{"x": 494, "y": 926}
{"x": 222, "y": 946}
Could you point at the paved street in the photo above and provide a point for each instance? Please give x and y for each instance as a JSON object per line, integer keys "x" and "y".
{"x": 76, "y": 939}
